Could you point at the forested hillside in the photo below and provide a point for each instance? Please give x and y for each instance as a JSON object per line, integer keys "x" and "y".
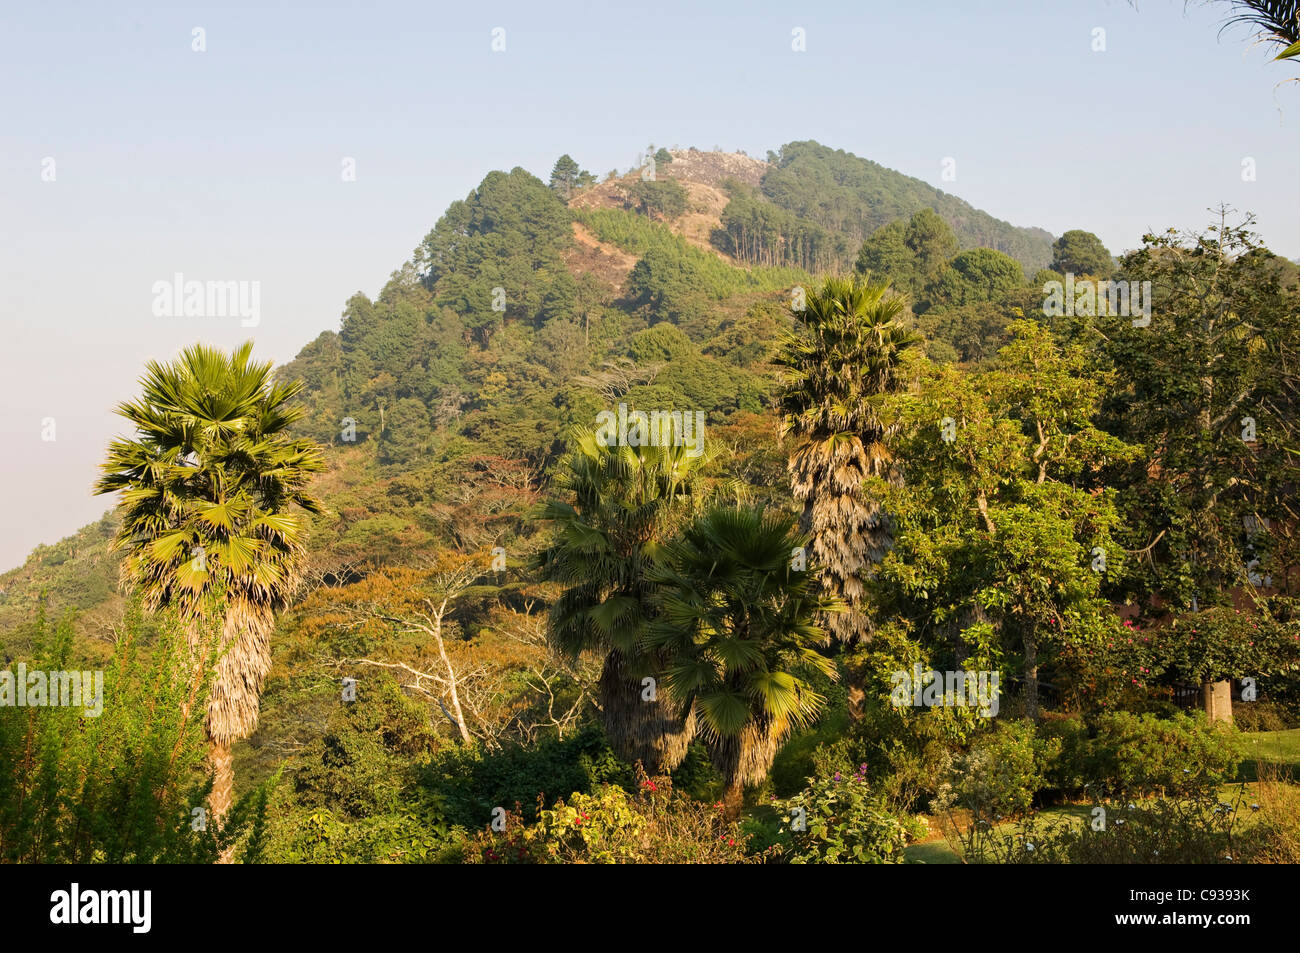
{"x": 821, "y": 203}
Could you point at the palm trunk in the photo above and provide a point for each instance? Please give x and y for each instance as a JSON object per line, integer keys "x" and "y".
{"x": 223, "y": 787}
{"x": 639, "y": 729}
{"x": 733, "y": 800}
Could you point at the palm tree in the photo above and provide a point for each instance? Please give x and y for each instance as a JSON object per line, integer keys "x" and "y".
{"x": 842, "y": 361}
{"x": 207, "y": 483}
{"x": 739, "y": 627}
{"x": 1274, "y": 21}
{"x": 625, "y": 501}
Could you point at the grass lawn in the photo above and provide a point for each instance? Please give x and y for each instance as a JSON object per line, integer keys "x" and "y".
{"x": 1279, "y": 747}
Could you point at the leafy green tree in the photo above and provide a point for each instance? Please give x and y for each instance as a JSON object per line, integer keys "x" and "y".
{"x": 208, "y": 483}
{"x": 910, "y": 256}
{"x": 406, "y": 433}
{"x": 739, "y": 627}
{"x": 1081, "y": 253}
{"x": 841, "y": 361}
{"x": 757, "y": 232}
{"x": 980, "y": 274}
{"x": 931, "y": 240}
{"x": 887, "y": 256}
{"x": 1210, "y": 392}
{"x": 1002, "y": 514}
{"x": 510, "y": 234}
{"x": 975, "y": 332}
{"x": 853, "y": 197}
{"x": 662, "y": 198}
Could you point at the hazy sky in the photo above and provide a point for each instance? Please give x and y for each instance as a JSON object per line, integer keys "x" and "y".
{"x": 226, "y": 164}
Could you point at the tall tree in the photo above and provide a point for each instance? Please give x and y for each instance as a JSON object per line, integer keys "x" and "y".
{"x": 1002, "y": 519}
{"x": 1212, "y": 392}
{"x": 842, "y": 359}
{"x": 980, "y": 274}
{"x": 930, "y": 240}
{"x": 208, "y": 483}
{"x": 885, "y": 255}
{"x": 1081, "y": 253}
{"x": 564, "y": 175}
{"x": 739, "y": 625}
{"x": 619, "y": 505}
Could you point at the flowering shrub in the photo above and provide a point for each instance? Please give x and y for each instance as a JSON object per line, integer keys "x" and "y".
{"x": 1001, "y": 773}
{"x": 609, "y": 826}
{"x": 1124, "y": 663}
{"x": 841, "y": 820}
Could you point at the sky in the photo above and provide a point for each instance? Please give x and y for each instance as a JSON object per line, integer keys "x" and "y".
{"x": 128, "y": 156}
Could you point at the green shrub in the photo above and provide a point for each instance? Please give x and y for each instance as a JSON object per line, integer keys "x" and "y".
{"x": 1000, "y": 774}
{"x": 1199, "y": 830}
{"x": 1266, "y": 715}
{"x": 1068, "y": 770}
{"x": 322, "y": 837}
{"x": 1136, "y": 755}
{"x": 905, "y": 753}
{"x": 472, "y": 782}
{"x": 841, "y": 820}
{"x": 128, "y": 785}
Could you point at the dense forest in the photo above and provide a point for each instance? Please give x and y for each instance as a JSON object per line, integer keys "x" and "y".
{"x": 948, "y": 573}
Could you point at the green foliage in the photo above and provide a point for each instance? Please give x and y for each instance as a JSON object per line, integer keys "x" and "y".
{"x": 840, "y": 820}
{"x": 910, "y": 256}
{"x": 999, "y": 776}
{"x": 471, "y": 782}
{"x": 400, "y": 838}
{"x": 970, "y": 333}
{"x": 208, "y": 481}
{"x": 1182, "y": 756}
{"x": 1001, "y": 522}
{"x": 361, "y": 765}
{"x": 758, "y": 232}
{"x": 567, "y": 177}
{"x": 509, "y": 233}
{"x": 121, "y": 786}
{"x": 609, "y": 826}
{"x": 664, "y": 199}
{"x": 1215, "y": 364}
{"x": 1197, "y": 830}
{"x": 1081, "y": 253}
{"x": 738, "y": 626}
{"x": 673, "y": 279}
{"x": 980, "y": 274}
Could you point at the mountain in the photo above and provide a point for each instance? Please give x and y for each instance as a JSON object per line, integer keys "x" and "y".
{"x": 524, "y": 312}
